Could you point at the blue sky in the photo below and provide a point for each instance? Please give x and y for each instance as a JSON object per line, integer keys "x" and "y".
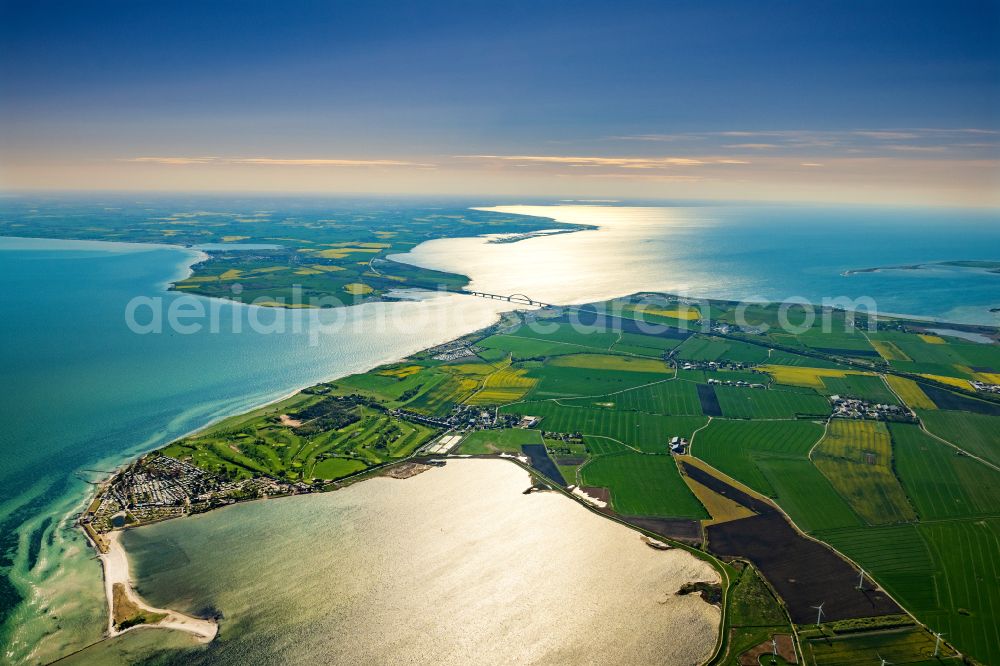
{"x": 367, "y": 96}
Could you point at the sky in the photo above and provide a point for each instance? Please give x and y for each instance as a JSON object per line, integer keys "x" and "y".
{"x": 878, "y": 101}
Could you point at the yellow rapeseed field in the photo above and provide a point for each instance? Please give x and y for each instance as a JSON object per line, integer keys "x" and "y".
{"x": 358, "y": 288}
{"x": 856, "y": 457}
{"x": 988, "y": 377}
{"x": 609, "y": 362}
{"x": 910, "y": 392}
{"x": 402, "y": 371}
{"x": 503, "y": 386}
{"x": 889, "y": 351}
{"x": 808, "y": 377}
{"x": 688, "y": 314}
{"x": 957, "y": 382}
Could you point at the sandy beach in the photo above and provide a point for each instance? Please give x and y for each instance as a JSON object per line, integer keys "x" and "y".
{"x": 116, "y": 571}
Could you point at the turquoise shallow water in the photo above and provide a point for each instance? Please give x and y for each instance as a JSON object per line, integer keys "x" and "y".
{"x": 82, "y": 392}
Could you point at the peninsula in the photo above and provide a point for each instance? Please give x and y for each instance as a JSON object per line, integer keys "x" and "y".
{"x": 666, "y": 415}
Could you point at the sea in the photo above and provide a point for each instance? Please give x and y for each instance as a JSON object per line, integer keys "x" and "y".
{"x": 84, "y": 391}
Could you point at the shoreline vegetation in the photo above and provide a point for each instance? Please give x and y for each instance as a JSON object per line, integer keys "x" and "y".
{"x": 539, "y": 401}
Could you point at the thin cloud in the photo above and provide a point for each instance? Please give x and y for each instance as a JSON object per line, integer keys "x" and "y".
{"x": 754, "y": 146}
{"x": 830, "y": 143}
{"x": 887, "y": 135}
{"x": 178, "y": 161}
{"x": 916, "y": 149}
{"x": 276, "y": 161}
{"x": 591, "y": 161}
{"x": 270, "y": 161}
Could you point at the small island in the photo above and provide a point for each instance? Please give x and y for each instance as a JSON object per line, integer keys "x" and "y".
{"x": 984, "y": 266}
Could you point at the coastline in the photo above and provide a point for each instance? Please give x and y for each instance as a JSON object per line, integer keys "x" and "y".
{"x": 224, "y": 527}
{"x": 186, "y": 266}
{"x": 114, "y": 562}
{"x": 114, "y": 559}
{"x": 112, "y": 554}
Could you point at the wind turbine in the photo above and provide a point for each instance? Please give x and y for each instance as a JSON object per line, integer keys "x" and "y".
{"x": 937, "y": 642}
{"x": 819, "y": 613}
{"x": 885, "y": 662}
{"x": 861, "y": 580}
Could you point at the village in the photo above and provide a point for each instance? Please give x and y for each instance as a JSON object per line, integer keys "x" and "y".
{"x": 983, "y": 387}
{"x": 157, "y": 487}
{"x": 853, "y": 408}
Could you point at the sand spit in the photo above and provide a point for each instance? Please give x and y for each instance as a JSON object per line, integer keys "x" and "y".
{"x": 116, "y": 572}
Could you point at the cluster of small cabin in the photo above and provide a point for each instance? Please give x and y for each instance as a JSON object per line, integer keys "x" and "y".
{"x": 717, "y": 365}
{"x": 454, "y": 352}
{"x": 678, "y": 445}
{"x": 729, "y": 382}
{"x": 726, "y": 329}
{"x": 986, "y": 388}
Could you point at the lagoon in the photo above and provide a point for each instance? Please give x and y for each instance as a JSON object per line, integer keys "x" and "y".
{"x": 453, "y": 566}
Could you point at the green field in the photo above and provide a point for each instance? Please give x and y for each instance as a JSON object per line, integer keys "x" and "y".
{"x": 940, "y": 481}
{"x": 644, "y": 345}
{"x": 896, "y": 555}
{"x": 753, "y": 603}
{"x": 944, "y": 572}
{"x": 664, "y": 397}
{"x": 704, "y": 348}
{"x": 920, "y": 516}
{"x": 643, "y": 485}
{"x": 498, "y": 441}
{"x": 569, "y": 334}
{"x": 863, "y": 387}
{"x": 966, "y": 554}
{"x": 837, "y": 339}
{"x": 522, "y": 348}
{"x": 781, "y": 357}
{"x": 557, "y": 381}
{"x": 335, "y": 468}
{"x": 805, "y": 494}
{"x": 734, "y": 446}
{"x": 978, "y": 434}
{"x": 646, "y": 432}
{"x": 911, "y": 646}
{"x": 857, "y": 458}
{"x": 748, "y": 403}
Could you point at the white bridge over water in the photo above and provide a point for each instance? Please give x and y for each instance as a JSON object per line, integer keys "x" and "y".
{"x": 513, "y": 298}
